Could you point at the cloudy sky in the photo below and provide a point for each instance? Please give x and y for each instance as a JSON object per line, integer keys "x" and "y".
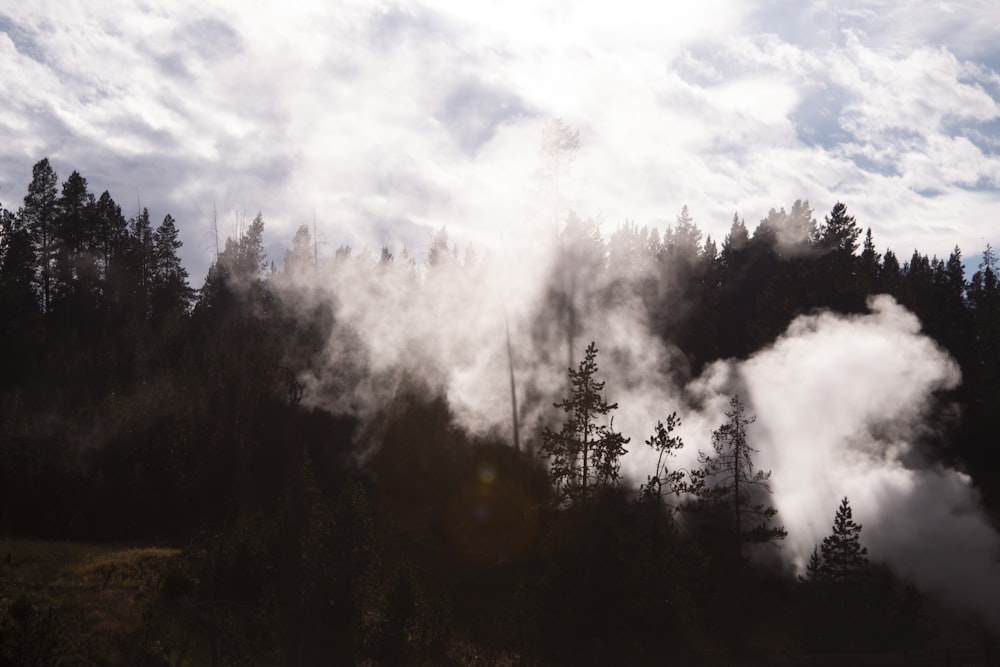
{"x": 387, "y": 121}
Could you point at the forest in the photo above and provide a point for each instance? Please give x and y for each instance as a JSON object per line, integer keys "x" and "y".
{"x": 333, "y": 491}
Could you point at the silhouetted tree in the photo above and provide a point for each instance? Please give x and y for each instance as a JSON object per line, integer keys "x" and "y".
{"x": 731, "y": 482}
{"x": 17, "y": 268}
{"x": 842, "y": 556}
{"x": 75, "y": 271}
{"x": 870, "y": 263}
{"x": 170, "y": 290}
{"x": 38, "y": 215}
{"x": 584, "y": 454}
{"x": 839, "y": 231}
{"x": 841, "y": 608}
{"x": 665, "y": 481}
{"x": 140, "y": 264}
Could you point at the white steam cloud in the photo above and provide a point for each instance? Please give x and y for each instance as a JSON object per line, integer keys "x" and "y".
{"x": 841, "y": 401}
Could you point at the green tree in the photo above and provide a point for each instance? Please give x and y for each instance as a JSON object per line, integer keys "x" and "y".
{"x": 731, "y": 481}
{"x": 584, "y": 454}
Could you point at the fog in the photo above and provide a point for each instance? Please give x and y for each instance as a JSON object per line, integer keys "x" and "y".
{"x": 843, "y": 403}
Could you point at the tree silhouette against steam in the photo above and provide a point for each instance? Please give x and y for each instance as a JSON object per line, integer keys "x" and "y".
{"x": 584, "y": 454}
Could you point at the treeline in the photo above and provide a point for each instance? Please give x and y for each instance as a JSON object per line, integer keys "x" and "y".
{"x": 135, "y": 408}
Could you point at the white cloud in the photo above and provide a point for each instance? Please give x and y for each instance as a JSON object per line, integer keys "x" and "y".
{"x": 388, "y": 119}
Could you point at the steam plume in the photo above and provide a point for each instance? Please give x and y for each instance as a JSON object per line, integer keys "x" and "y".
{"x": 841, "y": 401}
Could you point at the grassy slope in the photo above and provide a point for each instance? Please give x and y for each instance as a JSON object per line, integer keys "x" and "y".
{"x": 73, "y": 603}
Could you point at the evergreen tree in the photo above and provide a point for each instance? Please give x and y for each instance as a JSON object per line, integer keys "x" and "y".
{"x": 252, "y": 260}
{"x": 38, "y": 216}
{"x": 731, "y": 482}
{"x": 170, "y": 292}
{"x": 437, "y": 254}
{"x": 628, "y": 250}
{"x": 890, "y": 274}
{"x": 584, "y": 454}
{"x": 954, "y": 275}
{"x": 984, "y": 302}
{"x": 299, "y": 258}
{"x": 840, "y": 231}
{"x": 767, "y": 233}
{"x": 139, "y": 264}
{"x": 870, "y": 262}
{"x": 17, "y": 268}
{"x": 813, "y": 567}
{"x": 75, "y": 269}
{"x": 800, "y": 226}
{"x": 238, "y": 271}
{"x": 683, "y": 240}
{"x": 733, "y": 245}
{"x": 111, "y": 232}
{"x": 664, "y": 480}
{"x": 843, "y": 559}
{"x": 984, "y": 288}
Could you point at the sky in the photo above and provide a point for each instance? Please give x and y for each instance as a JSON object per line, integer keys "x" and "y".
{"x": 384, "y": 122}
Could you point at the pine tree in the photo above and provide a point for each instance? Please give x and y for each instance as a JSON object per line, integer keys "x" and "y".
{"x": 683, "y": 240}
{"x": 139, "y": 264}
{"x": 438, "y": 255}
{"x": 813, "y": 567}
{"x": 75, "y": 272}
{"x": 728, "y": 479}
{"x": 843, "y": 557}
{"x": 840, "y": 231}
{"x": 870, "y": 262}
{"x": 38, "y": 215}
{"x": 733, "y": 246}
{"x": 252, "y": 260}
{"x": 170, "y": 292}
{"x": 300, "y": 257}
{"x": 584, "y": 455}
{"x": 665, "y": 481}
{"x": 111, "y": 233}
{"x": 17, "y": 269}
{"x": 800, "y": 226}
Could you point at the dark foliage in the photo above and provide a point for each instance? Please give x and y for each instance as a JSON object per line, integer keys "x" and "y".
{"x": 133, "y": 408}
